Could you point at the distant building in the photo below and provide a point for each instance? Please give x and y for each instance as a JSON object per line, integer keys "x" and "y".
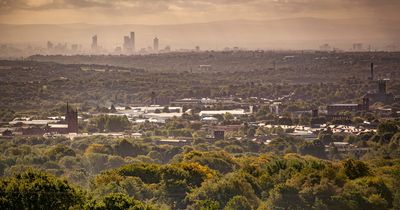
{"x": 7, "y": 133}
{"x": 132, "y": 41}
{"x": 174, "y": 142}
{"x": 336, "y": 109}
{"x": 49, "y": 45}
{"x": 371, "y": 77}
{"x": 127, "y": 44}
{"x": 69, "y": 126}
{"x": 205, "y": 67}
{"x": 94, "y": 42}
{"x": 74, "y": 47}
{"x": 234, "y": 112}
{"x": 187, "y": 102}
{"x": 118, "y": 50}
{"x": 71, "y": 118}
{"x": 325, "y": 47}
{"x": 219, "y": 134}
{"x": 155, "y": 44}
{"x": 381, "y": 95}
{"x": 274, "y": 107}
{"x": 357, "y": 47}
{"x": 314, "y": 113}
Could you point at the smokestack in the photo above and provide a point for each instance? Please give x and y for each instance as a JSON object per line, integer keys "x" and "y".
{"x": 251, "y": 109}
{"x": 372, "y": 71}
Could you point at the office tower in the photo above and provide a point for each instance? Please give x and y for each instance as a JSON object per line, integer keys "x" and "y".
{"x": 118, "y": 49}
{"x": 325, "y": 47}
{"x": 357, "y": 47}
{"x": 74, "y": 47}
{"x": 133, "y": 41}
{"x": 155, "y": 44}
{"x": 49, "y": 45}
{"x": 94, "y": 42}
{"x": 127, "y": 44}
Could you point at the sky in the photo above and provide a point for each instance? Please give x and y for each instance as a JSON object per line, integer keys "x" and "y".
{"x": 160, "y": 12}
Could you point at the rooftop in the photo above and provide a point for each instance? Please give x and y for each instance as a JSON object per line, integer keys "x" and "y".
{"x": 343, "y": 105}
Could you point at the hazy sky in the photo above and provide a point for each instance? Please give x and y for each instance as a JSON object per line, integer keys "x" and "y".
{"x": 187, "y": 11}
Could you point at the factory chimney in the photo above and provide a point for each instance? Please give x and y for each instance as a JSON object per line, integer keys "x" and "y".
{"x": 372, "y": 72}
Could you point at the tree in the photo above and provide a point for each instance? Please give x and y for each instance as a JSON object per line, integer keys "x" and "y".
{"x": 206, "y": 205}
{"x": 113, "y": 109}
{"x": 37, "y": 190}
{"x": 355, "y": 169}
{"x": 325, "y": 138}
{"x": 228, "y": 116}
{"x": 387, "y": 127}
{"x": 238, "y": 203}
{"x": 166, "y": 109}
{"x": 125, "y": 148}
{"x": 120, "y": 201}
{"x": 223, "y": 190}
{"x": 315, "y": 148}
{"x": 59, "y": 151}
{"x": 285, "y": 197}
{"x": 251, "y": 132}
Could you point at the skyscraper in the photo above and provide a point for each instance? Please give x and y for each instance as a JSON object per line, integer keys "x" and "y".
{"x": 155, "y": 44}
{"x": 49, "y": 45}
{"x": 133, "y": 41}
{"x": 94, "y": 42}
{"x": 127, "y": 46}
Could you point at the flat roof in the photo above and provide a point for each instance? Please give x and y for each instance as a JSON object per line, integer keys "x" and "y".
{"x": 343, "y": 105}
{"x": 172, "y": 140}
{"x": 32, "y": 122}
{"x": 215, "y": 112}
{"x": 58, "y": 125}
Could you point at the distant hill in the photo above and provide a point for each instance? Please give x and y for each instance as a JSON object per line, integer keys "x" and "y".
{"x": 296, "y": 33}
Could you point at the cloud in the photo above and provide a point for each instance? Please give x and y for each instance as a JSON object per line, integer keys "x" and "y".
{"x": 160, "y": 11}
{"x": 283, "y": 5}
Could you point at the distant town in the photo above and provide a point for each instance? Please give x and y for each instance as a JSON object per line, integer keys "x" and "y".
{"x": 219, "y": 118}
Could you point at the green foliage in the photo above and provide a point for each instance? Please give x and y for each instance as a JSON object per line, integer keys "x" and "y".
{"x": 6, "y": 115}
{"x": 238, "y": 203}
{"x": 219, "y": 161}
{"x": 119, "y": 201}
{"x": 111, "y": 123}
{"x": 212, "y": 179}
{"x": 37, "y": 190}
{"x": 355, "y": 169}
{"x": 148, "y": 173}
{"x": 285, "y": 197}
{"x": 59, "y": 151}
{"x": 388, "y": 127}
{"x": 125, "y": 148}
{"x": 224, "y": 189}
{"x": 315, "y": 148}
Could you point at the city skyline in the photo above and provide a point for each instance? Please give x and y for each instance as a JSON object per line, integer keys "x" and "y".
{"x": 212, "y": 25}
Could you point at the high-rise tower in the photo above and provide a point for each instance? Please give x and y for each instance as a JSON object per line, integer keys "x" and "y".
{"x": 133, "y": 41}
{"x": 155, "y": 44}
{"x": 127, "y": 44}
{"x": 94, "y": 42}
